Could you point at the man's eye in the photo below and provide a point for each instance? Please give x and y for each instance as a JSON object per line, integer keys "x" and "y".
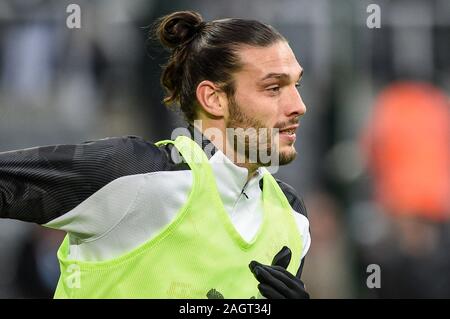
{"x": 297, "y": 85}
{"x": 274, "y": 89}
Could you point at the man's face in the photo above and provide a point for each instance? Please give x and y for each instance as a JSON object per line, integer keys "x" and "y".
{"x": 266, "y": 96}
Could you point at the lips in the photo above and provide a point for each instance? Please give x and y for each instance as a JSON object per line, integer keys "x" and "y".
{"x": 289, "y": 130}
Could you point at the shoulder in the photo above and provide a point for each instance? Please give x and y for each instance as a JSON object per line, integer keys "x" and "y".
{"x": 128, "y": 145}
{"x": 136, "y": 155}
{"x": 295, "y": 200}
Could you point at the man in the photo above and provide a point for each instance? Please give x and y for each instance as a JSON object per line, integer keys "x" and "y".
{"x": 181, "y": 218}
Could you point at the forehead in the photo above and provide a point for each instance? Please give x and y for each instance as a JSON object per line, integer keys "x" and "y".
{"x": 276, "y": 58}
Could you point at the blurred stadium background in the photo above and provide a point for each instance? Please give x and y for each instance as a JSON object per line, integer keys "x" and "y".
{"x": 373, "y": 164}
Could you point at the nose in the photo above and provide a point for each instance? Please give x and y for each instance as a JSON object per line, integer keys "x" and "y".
{"x": 295, "y": 106}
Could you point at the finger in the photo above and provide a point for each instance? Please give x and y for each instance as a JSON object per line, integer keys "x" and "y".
{"x": 264, "y": 277}
{"x": 268, "y": 292}
{"x": 282, "y": 258}
{"x": 284, "y": 271}
{"x": 253, "y": 264}
{"x": 296, "y": 288}
{"x": 284, "y": 276}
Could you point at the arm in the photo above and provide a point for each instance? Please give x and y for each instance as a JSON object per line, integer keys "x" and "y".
{"x": 42, "y": 183}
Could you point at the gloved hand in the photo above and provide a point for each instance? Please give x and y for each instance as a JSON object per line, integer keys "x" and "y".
{"x": 275, "y": 281}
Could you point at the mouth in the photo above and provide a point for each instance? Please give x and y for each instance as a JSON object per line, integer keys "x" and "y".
{"x": 288, "y": 133}
{"x": 289, "y": 129}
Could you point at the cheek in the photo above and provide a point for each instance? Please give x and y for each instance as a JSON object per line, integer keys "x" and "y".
{"x": 263, "y": 109}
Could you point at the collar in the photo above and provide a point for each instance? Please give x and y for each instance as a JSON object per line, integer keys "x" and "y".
{"x": 231, "y": 179}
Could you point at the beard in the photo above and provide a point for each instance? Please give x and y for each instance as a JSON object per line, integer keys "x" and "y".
{"x": 254, "y": 141}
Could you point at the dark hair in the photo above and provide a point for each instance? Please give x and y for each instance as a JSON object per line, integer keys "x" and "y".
{"x": 205, "y": 51}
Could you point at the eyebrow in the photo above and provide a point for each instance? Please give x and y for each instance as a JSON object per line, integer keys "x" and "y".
{"x": 279, "y": 76}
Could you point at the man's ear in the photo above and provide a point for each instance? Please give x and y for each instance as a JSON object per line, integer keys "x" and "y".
{"x": 210, "y": 98}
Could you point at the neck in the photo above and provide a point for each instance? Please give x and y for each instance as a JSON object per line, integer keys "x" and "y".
{"x": 216, "y": 133}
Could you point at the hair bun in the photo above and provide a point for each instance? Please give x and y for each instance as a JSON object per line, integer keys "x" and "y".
{"x": 178, "y": 28}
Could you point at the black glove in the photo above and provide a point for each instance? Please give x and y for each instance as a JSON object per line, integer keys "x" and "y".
{"x": 275, "y": 281}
